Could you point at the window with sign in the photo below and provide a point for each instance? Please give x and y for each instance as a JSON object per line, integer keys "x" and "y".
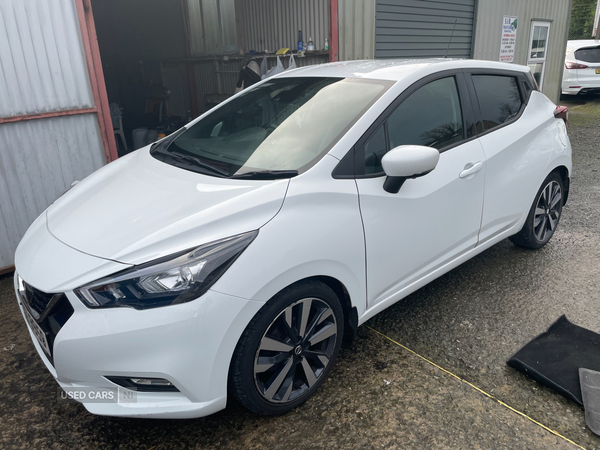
{"x": 538, "y": 49}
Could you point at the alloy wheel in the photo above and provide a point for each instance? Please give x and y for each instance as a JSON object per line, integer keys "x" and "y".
{"x": 295, "y": 350}
{"x": 547, "y": 211}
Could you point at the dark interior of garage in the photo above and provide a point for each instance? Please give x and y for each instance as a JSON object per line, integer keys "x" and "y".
{"x": 167, "y": 61}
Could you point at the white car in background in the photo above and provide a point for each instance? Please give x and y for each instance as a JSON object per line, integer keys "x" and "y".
{"x": 582, "y": 67}
{"x": 235, "y": 255}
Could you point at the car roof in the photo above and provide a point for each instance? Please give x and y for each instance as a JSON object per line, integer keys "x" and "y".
{"x": 395, "y": 69}
{"x": 580, "y": 43}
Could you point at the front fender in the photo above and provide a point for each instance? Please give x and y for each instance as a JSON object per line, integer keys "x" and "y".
{"x": 318, "y": 232}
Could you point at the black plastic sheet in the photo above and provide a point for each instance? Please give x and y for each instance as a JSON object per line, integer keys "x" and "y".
{"x": 554, "y": 357}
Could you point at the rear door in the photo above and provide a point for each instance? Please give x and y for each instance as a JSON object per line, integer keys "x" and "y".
{"x": 590, "y": 76}
{"x": 514, "y": 157}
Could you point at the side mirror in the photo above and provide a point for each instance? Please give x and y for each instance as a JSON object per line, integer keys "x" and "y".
{"x": 407, "y": 161}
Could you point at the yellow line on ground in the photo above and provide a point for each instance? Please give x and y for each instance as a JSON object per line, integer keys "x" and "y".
{"x": 556, "y": 433}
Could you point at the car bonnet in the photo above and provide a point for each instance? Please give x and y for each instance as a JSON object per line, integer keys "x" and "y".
{"x": 137, "y": 209}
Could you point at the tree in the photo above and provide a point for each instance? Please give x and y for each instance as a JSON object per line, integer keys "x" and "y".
{"x": 582, "y": 19}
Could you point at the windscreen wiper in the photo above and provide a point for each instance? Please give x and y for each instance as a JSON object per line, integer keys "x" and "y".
{"x": 267, "y": 174}
{"x": 198, "y": 162}
{"x": 161, "y": 148}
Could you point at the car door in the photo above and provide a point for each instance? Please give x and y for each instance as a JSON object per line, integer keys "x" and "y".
{"x": 515, "y": 158}
{"x": 432, "y": 219}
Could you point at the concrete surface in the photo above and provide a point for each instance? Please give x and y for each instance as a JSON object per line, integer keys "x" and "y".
{"x": 470, "y": 321}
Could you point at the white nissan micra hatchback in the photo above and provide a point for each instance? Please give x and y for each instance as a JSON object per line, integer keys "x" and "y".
{"x": 237, "y": 254}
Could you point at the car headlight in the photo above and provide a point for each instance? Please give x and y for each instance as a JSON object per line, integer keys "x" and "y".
{"x": 175, "y": 279}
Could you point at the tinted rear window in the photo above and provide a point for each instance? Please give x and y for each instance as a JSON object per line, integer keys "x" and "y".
{"x": 499, "y": 99}
{"x": 588, "y": 54}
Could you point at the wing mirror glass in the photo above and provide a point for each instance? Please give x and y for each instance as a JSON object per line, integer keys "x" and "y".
{"x": 407, "y": 161}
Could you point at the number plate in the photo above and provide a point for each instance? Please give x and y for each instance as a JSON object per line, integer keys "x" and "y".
{"x": 37, "y": 331}
{"x": 597, "y": 70}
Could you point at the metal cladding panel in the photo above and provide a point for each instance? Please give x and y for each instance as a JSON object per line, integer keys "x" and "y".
{"x": 273, "y": 24}
{"x": 39, "y": 159}
{"x": 206, "y": 80}
{"x": 489, "y": 25}
{"x": 424, "y": 28}
{"x": 42, "y": 62}
{"x": 212, "y": 27}
{"x": 356, "y": 29}
{"x": 196, "y": 28}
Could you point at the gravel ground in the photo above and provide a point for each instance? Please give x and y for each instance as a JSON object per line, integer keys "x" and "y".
{"x": 469, "y": 321}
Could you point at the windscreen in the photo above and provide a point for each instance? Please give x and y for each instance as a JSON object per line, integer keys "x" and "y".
{"x": 284, "y": 124}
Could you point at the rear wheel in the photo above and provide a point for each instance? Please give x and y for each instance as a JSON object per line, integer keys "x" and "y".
{"x": 544, "y": 215}
{"x": 288, "y": 349}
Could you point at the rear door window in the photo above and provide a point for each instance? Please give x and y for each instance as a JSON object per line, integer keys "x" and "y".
{"x": 499, "y": 99}
{"x": 591, "y": 55}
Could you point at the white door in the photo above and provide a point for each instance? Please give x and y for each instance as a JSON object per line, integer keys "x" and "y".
{"x": 432, "y": 219}
{"x": 538, "y": 50}
{"x": 513, "y": 164}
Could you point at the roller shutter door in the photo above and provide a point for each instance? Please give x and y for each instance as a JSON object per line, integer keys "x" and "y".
{"x": 423, "y": 28}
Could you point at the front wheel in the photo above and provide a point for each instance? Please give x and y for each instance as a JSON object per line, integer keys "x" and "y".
{"x": 288, "y": 349}
{"x": 544, "y": 215}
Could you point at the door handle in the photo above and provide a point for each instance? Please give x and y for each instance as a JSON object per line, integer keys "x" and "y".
{"x": 470, "y": 169}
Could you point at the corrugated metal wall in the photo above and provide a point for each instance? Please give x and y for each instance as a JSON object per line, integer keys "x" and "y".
{"x": 38, "y": 162}
{"x": 43, "y": 64}
{"x": 273, "y": 24}
{"x": 489, "y": 25}
{"x": 424, "y": 28}
{"x": 43, "y": 69}
{"x": 212, "y": 27}
{"x": 265, "y": 25}
{"x": 356, "y": 29}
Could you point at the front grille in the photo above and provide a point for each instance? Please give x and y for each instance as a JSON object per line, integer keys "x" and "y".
{"x": 53, "y": 311}
{"x": 37, "y": 300}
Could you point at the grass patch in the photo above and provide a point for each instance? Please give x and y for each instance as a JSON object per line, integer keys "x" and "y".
{"x": 584, "y": 115}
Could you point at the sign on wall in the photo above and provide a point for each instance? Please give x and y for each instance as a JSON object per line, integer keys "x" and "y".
{"x": 508, "y": 39}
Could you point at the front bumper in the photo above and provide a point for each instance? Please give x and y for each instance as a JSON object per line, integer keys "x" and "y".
{"x": 189, "y": 344}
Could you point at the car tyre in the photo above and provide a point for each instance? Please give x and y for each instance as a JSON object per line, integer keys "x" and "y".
{"x": 288, "y": 349}
{"x": 544, "y": 215}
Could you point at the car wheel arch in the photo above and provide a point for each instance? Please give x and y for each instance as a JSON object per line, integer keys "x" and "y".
{"x": 343, "y": 295}
{"x": 563, "y": 172}
{"x": 350, "y": 311}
